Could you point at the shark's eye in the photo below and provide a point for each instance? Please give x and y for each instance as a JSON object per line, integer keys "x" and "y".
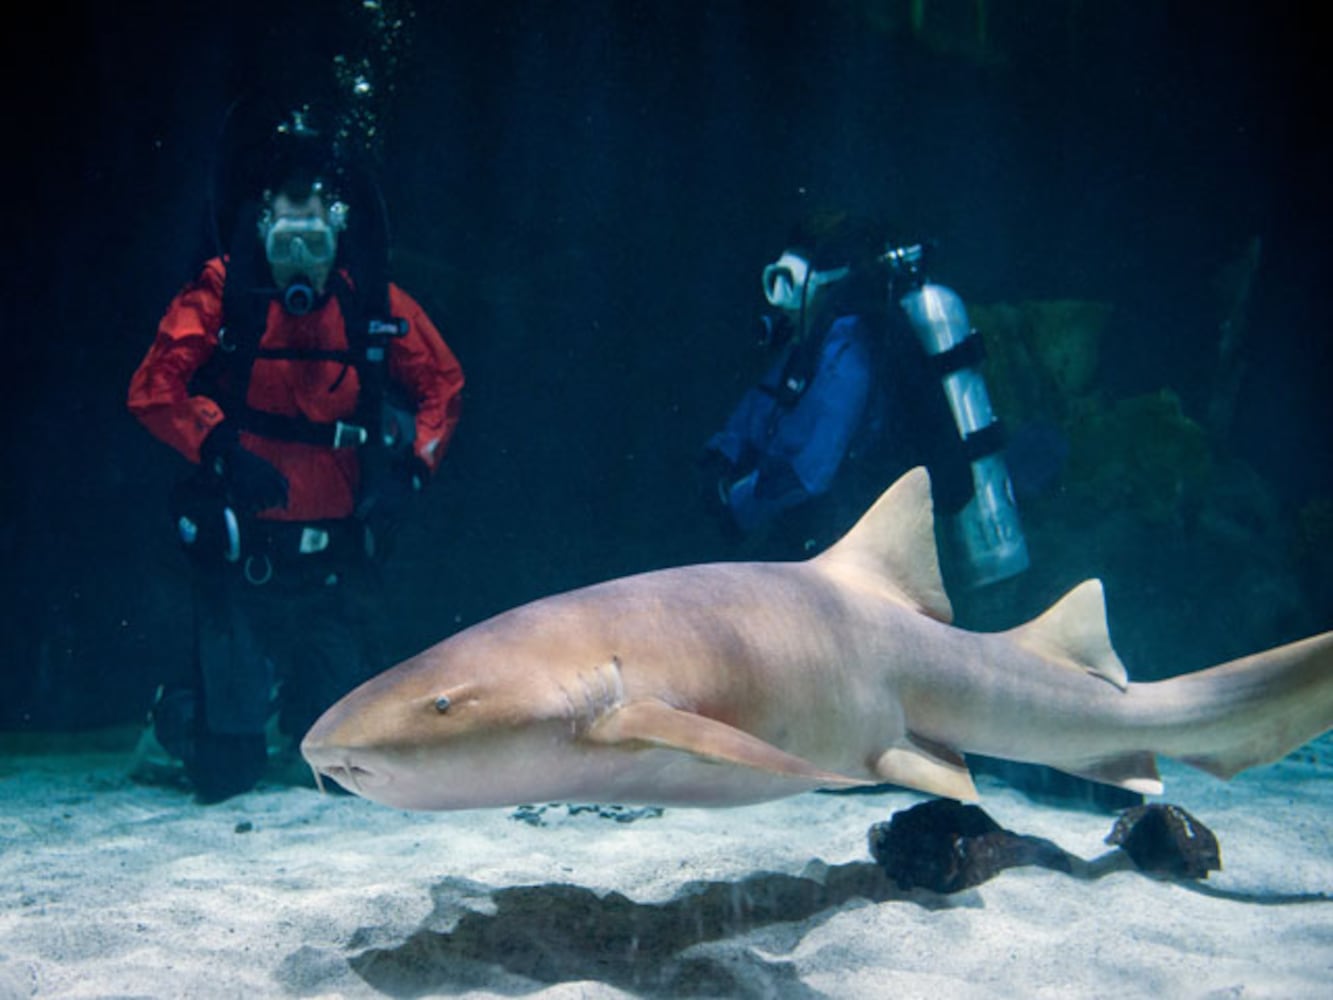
{"x": 442, "y": 704}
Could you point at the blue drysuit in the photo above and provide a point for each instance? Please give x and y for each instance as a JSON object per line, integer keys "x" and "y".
{"x": 785, "y": 448}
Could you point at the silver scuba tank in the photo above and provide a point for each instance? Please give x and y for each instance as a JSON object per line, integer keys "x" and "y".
{"x": 987, "y": 530}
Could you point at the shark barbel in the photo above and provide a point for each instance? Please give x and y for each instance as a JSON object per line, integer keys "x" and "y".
{"x": 731, "y": 683}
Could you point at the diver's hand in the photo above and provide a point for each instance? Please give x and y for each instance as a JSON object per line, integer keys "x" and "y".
{"x": 389, "y": 494}
{"x": 716, "y": 474}
{"x": 253, "y": 484}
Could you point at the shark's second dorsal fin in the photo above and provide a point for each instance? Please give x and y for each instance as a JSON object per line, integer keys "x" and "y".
{"x": 892, "y": 548}
{"x": 1073, "y": 632}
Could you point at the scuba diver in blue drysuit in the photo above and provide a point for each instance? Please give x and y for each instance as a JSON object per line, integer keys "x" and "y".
{"x": 877, "y": 371}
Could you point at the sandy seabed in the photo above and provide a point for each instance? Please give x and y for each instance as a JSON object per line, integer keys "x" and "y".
{"x": 114, "y": 888}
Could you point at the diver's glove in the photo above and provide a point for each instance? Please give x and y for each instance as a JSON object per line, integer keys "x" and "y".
{"x": 716, "y": 475}
{"x": 389, "y": 491}
{"x": 252, "y": 483}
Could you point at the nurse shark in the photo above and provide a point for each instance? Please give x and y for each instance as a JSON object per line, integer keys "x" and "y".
{"x": 731, "y": 683}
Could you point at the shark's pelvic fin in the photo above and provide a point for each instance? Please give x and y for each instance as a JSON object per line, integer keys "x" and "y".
{"x": 1073, "y": 633}
{"x": 929, "y": 768}
{"x": 892, "y": 549}
{"x": 656, "y": 724}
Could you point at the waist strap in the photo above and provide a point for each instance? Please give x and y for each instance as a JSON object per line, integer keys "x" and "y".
{"x": 285, "y": 541}
{"x": 338, "y": 434}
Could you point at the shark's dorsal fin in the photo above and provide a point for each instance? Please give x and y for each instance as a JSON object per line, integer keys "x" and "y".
{"x": 892, "y": 549}
{"x": 1073, "y": 632}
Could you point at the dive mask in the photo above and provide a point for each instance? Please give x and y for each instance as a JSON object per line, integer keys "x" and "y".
{"x": 789, "y": 280}
{"x": 303, "y": 242}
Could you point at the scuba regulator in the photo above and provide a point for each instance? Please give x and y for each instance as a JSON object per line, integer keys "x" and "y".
{"x": 987, "y": 530}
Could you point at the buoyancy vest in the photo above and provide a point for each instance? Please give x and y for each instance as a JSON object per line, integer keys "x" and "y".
{"x": 363, "y": 299}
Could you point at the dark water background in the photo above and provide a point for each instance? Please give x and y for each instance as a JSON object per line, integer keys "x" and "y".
{"x": 583, "y": 194}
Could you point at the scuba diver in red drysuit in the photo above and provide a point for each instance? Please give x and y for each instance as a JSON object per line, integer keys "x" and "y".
{"x": 315, "y": 397}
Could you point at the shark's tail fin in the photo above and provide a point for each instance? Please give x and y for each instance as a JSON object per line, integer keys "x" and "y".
{"x": 1230, "y": 717}
{"x": 1246, "y": 712}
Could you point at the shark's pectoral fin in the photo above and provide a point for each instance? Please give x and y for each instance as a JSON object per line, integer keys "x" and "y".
{"x": 657, "y": 724}
{"x": 927, "y": 767}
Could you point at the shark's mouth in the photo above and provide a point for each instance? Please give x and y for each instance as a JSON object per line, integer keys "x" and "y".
{"x": 350, "y": 776}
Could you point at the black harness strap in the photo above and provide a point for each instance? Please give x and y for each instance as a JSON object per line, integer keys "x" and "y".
{"x": 797, "y": 370}
{"x": 987, "y": 441}
{"x": 967, "y": 353}
{"x": 226, "y": 376}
